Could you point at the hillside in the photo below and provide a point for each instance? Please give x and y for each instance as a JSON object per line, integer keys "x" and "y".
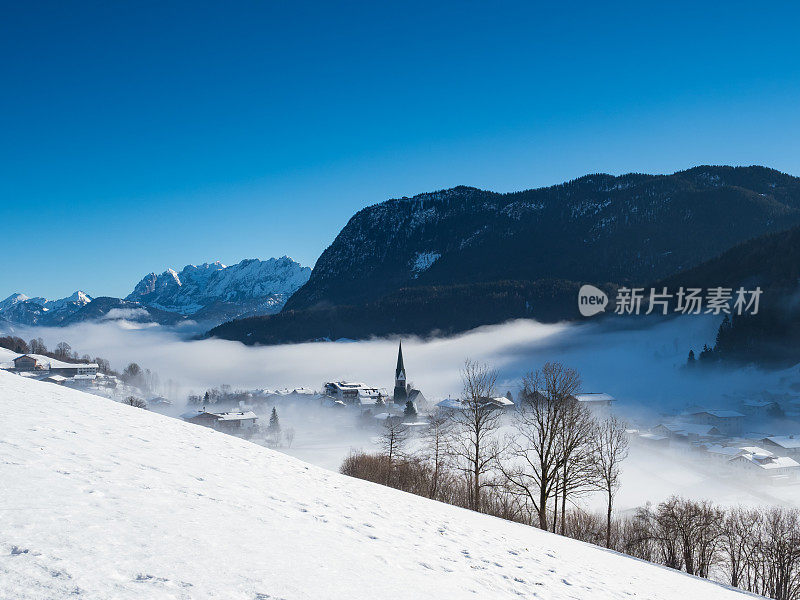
{"x": 102, "y": 500}
{"x": 771, "y": 262}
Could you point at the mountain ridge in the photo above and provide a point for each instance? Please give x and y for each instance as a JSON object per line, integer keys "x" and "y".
{"x": 209, "y": 293}
{"x": 528, "y": 251}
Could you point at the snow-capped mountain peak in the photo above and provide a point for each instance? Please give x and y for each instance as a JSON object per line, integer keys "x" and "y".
{"x": 263, "y": 285}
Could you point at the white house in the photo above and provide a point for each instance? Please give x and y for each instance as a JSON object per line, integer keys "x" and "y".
{"x": 355, "y": 393}
{"x": 777, "y": 468}
{"x": 783, "y": 445}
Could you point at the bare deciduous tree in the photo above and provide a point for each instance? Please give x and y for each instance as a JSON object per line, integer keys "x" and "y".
{"x": 137, "y": 402}
{"x": 611, "y": 448}
{"x": 436, "y": 441}
{"x": 289, "y": 436}
{"x": 474, "y": 445}
{"x": 393, "y": 438}
{"x": 535, "y": 455}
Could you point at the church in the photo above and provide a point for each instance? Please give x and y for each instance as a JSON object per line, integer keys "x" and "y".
{"x": 403, "y": 392}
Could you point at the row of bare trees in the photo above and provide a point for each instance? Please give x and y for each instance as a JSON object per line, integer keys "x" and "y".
{"x": 755, "y": 549}
{"x": 528, "y": 466}
{"x": 554, "y": 449}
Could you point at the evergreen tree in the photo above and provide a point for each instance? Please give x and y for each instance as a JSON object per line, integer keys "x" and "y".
{"x": 274, "y": 423}
{"x": 411, "y": 410}
{"x": 691, "y": 361}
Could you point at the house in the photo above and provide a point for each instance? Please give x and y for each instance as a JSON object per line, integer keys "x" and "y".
{"x": 236, "y": 423}
{"x": 57, "y": 379}
{"x": 779, "y": 469}
{"x": 761, "y": 409}
{"x": 728, "y": 422}
{"x": 36, "y": 363}
{"x": 71, "y": 370}
{"x": 686, "y": 432}
{"x": 783, "y": 445}
{"x": 449, "y": 405}
{"x": 648, "y": 439}
{"x": 28, "y": 362}
{"x": 725, "y": 454}
{"x": 596, "y": 401}
{"x": 498, "y": 403}
{"x": 355, "y": 393}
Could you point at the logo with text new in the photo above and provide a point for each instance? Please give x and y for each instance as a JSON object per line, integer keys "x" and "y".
{"x": 591, "y": 300}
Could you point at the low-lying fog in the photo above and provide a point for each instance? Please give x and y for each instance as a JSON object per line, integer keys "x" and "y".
{"x": 639, "y": 365}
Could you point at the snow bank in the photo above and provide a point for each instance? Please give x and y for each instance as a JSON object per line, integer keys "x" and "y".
{"x": 103, "y": 500}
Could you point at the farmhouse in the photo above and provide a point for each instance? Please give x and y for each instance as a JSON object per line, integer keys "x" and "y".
{"x": 29, "y": 362}
{"x": 236, "y": 423}
{"x": 36, "y": 363}
{"x": 727, "y": 422}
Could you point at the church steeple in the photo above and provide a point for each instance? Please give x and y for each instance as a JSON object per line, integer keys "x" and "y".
{"x": 400, "y": 367}
{"x": 400, "y": 390}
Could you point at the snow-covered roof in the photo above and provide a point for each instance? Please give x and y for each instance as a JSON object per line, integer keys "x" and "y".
{"x": 769, "y": 462}
{"x": 454, "y": 403}
{"x": 720, "y": 414}
{"x": 725, "y": 450}
{"x": 58, "y": 378}
{"x": 236, "y": 416}
{"x": 689, "y": 428}
{"x": 785, "y": 441}
{"x": 501, "y": 401}
{"x": 759, "y": 403}
{"x": 653, "y": 437}
{"x": 594, "y": 397}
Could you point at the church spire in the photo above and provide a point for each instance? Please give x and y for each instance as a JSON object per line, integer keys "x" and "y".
{"x": 400, "y": 389}
{"x": 400, "y": 367}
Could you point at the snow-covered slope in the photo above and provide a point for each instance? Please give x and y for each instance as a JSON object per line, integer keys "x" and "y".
{"x": 257, "y": 286}
{"x": 104, "y": 501}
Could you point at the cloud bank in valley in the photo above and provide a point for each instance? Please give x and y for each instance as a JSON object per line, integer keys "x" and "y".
{"x": 639, "y": 364}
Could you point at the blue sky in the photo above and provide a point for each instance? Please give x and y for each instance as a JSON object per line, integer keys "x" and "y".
{"x": 140, "y": 136}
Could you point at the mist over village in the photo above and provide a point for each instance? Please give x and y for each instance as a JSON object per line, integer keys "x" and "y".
{"x": 334, "y": 302}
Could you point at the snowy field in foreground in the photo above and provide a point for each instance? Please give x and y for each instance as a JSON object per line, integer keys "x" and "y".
{"x": 102, "y": 500}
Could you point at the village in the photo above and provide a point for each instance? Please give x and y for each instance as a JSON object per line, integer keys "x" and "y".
{"x": 759, "y": 438}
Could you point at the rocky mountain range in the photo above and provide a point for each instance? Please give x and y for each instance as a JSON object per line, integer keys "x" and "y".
{"x": 208, "y": 293}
